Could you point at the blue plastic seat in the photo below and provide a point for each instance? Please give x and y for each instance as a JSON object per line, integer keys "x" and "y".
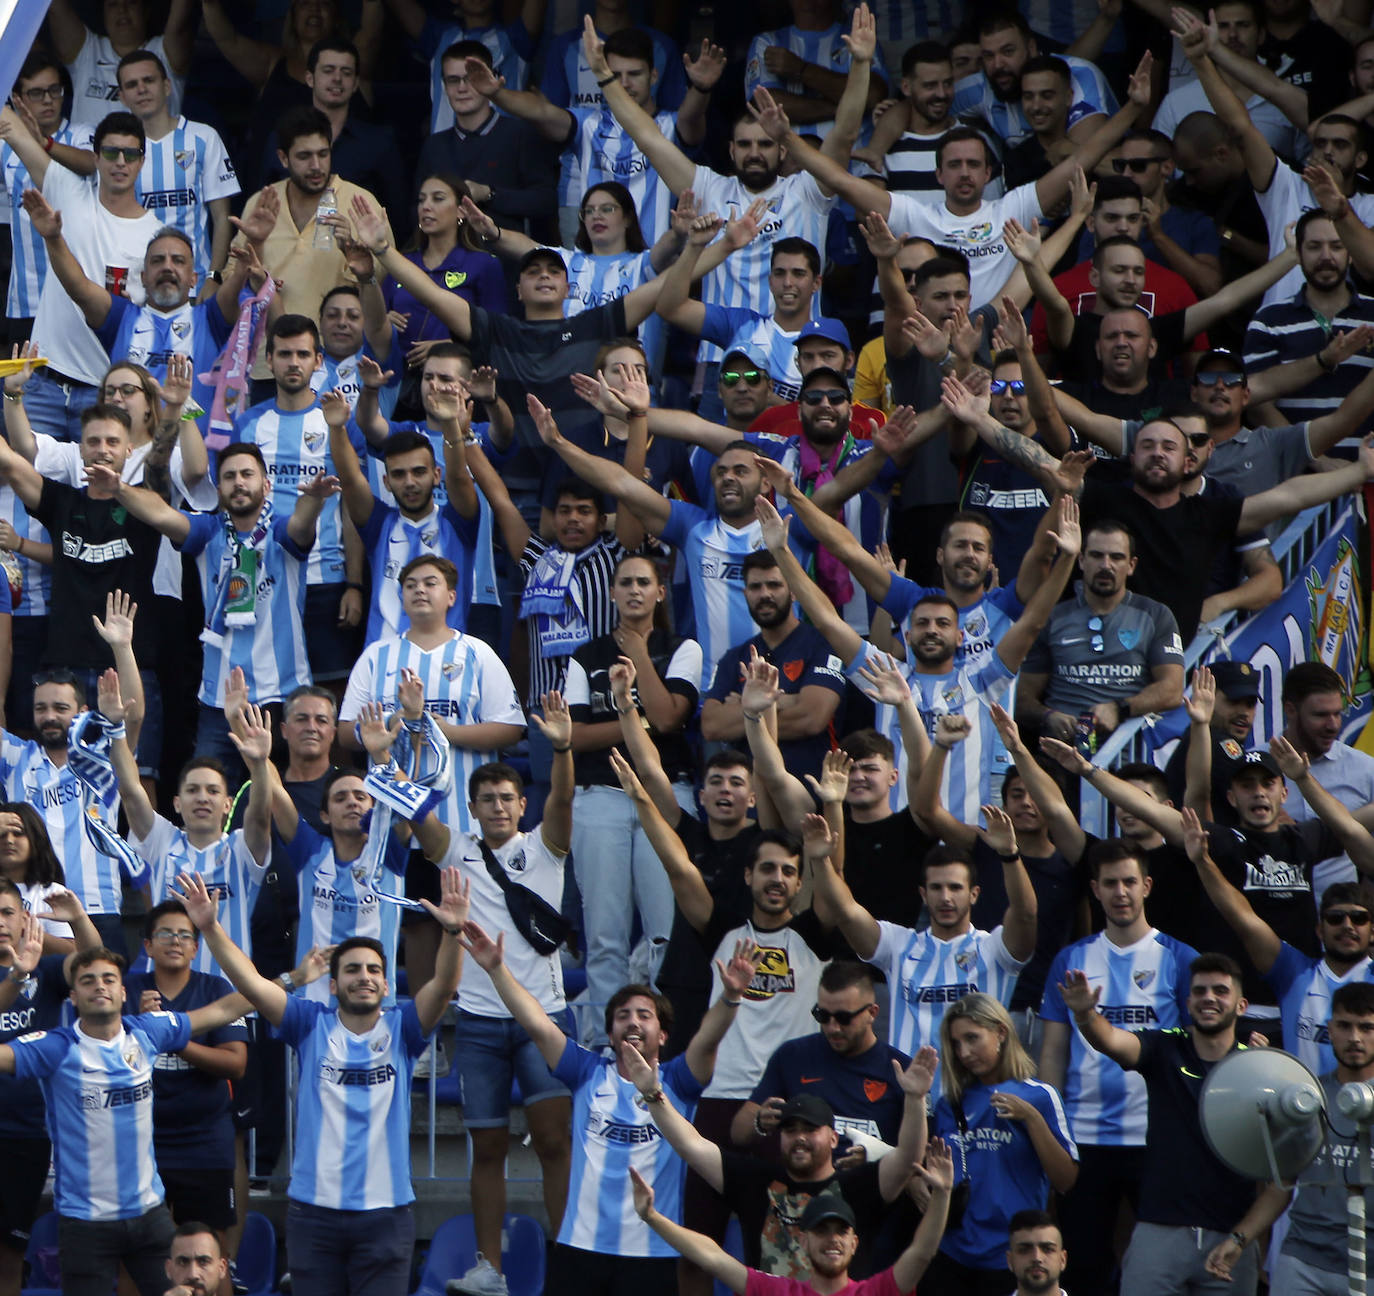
{"x": 453, "y": 1251}
{"x": 257, "y": 1258}
{"x": 45, "y": 1271}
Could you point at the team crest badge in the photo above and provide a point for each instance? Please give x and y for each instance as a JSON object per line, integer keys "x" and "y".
{"x": 185, "y": 157}
{"x": 1129, "y": 638}
{"x": 1232, "y": 748}
{"x": 314, "y": 439}
{"x": 455, "y": 278}
{"x": 965, "y": 960}
{"x": 1142, "y": 979}
{"x": 133, "y": 1056}
{"x": 793, "y": 670}
{"x": 874, "y": 1089}
{"x": 449, "y": 670}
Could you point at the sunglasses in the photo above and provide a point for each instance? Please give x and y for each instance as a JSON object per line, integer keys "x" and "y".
{"x": 1137, "y": 165}
{"x": 1222, "y": 376}
{"x": 1198, "y": 439}
{"x": 827, "y": 395}
{"x": 1097, "y": 643}
{"x": 1338, "y": 917}
{"x": 1017, "y": 386}
{"x": 825, "y": 1016}
{"x": 729, "y": 377}
{"x": 114, "y": 153}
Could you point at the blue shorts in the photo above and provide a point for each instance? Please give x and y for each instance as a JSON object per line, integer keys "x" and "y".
{"x": 491, "y": 1051}
{"x": 332, "y": 648}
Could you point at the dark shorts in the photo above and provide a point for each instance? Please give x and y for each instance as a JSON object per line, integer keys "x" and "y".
{"x": 333, "y": 649}
{"x": 205, "y": 1195}
{"x": 246, "y": 1090}
{"x": 493, "y": 1051}
{"x": 589, "y": 1273}
{"x": 21, "y": 1185}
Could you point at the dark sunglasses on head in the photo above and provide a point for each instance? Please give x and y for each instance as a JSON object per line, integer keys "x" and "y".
{"x": 828, "y": 395}
{"x": 843, "y": 1017}
{"x": 1097, "y": 643}
{"x": 1337, "y": 917}
{"x": 729, "y": 377}
{"x": 114, "y": 153}
{"x": 1017, "y": 386}
{"x": 1226, "y": 378}
{"x": 1138, "y": 165}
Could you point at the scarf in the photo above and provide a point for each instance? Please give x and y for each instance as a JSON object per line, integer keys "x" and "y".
{"x": 553, "y": 599}
{"x": 831, "y": 574}
{"x": 236, "y": 587}
{"x": 230, "y": 375}
{"x": 88, "y": 758}
{"x": 412, "y": 796}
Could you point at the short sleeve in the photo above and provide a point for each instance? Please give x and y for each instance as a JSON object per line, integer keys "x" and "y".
{"x": 682, "y": 517}
{"x": 684, "y": 669}
{"x": 358, "y": 692}
{"x": 771, "y": 1081}
{"x": 576, "y": 1064}
{"x": 1166, "y": 648}
{"x": 114, "y": 317}
{"x": 166, "y": 1031}
{"x": 996, "y": 951}
{"x": 203, "y": 528}
{"x": 299, "y": 1015}
{"x": 1287, "y": 968}
{"x": 498, "y": 703}
{"x": 220, "y": 179}
{"x": 577, "y": 689}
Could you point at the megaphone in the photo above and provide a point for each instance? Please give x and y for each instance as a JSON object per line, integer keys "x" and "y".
{"x": 1261, "y": 1113}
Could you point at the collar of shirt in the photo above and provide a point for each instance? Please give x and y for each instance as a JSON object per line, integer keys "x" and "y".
{"x": 484, "y": 129}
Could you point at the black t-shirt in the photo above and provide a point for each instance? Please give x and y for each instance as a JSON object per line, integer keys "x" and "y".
{"x": 882, "y": 866}
{"x": 1158, "y": 395}
{"x": 1316, "y": 59}
{"x": 98, "y": 547}
{"x": 596, "y": 659}
{"x": 1183, "y": 1183}
{"x": 769, "y": 1203}
{"x": 1176, "y": 546}
{"x": 1058, "y": 887}
{"x": 1274, "y": 870}
{"x": 1080, "y": 360}
{"x": 1025, "y": 163}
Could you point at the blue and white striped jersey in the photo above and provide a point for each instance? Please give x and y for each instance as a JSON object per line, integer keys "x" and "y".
{"x": 972, "y": 764}
{"x": 337, "y": 901}
{"x": 975, "y": 95}
{"x": 983, "y": 623}
{"x": 510, "y": 45}
{"x": 95, "y": 89}
{"x": 612, "y": 1132}
{"x": 99, "y": 1096}
{"x": 595, "y": 280}
{"x": 271, "y": 651}
{"x": 295, "y": 445}
{"x": 183, "y": 173}
{"x": 1304, "y": 987}
{"x": 1144, "y": 987}
{"x": 27, "y": 774}
{"x": 341, "y": 374}
{"x": 352, "y": 1106}
{"x": 227, "y": 866}
{"x": 30, "y": 582}
{"x": 605, "y": 151}
{"x": 465, "y": 683}
{"x": 29, "y": 261}
{"x": 930, "y": 974}
{"x": 825, "y": 49}
{"x": 736, "y": 328}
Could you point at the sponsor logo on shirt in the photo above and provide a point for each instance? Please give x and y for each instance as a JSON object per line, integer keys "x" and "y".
{"x": 160, "y": 199}
{"x": 1130, "y": 1016}
{"x": 945, "y": 994}
{"x": 722, "y": 569}
{"x": 333, "y": 1073}
{"x": 125, "y": 1096}
{"x": 79, "y": 550}
{"x": 613, "y": 1131}
{"x": 19, "y": 1020}
{"x": 1313, "y": 1030}
{"x": 775, "y": 975}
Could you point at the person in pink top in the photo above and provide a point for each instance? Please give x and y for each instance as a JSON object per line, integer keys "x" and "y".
{"x": 828, "y": 1227}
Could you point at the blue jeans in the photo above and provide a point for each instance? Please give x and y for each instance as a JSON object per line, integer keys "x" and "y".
{"x": 55, "y": 407}
{"x": 349, "y": 1253}
{"x": 618, "y": 872}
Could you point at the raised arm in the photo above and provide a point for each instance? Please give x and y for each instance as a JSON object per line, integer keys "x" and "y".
{"x": 1065, "y": 830}
{"x": 1259, "y": 157}
{"x": 433, "y": 998}
{"x": 704, "y": 1252}
{"x": 1163, "y": 819}
{"x": 91, "y": 298}
{"x": 923, "y": 783}
{"x": 137, "y": 806}
{"x": 353, "y": 484}
{"x": 1300, "y": 493}
{"x": 252, "y": 59}
{"x": 1014, "y": 446}
{"x": 914, "y": 1080}
{"x": 1016, "y": 642}
{"x": 1354, "y": 837}
{"x": 834, "y": 902}
{"x": 938, "y": 1174}
{"x": 735, "y": 978}
{"x": 303, "y": 524}
{"x": 1262, "y": 943}
{"x": 142, "y": 503}
{"x": 1081, "y": 999}
{"x": 1204, "y": 314}
{"x": 698, "y": 1151}
{"x": 489, "y": 955}
{"x": 556, "y": 725}
{"x": 555, "y": 124}
{"x": 643, "y": 754}
{"x": 510, "y": 522}
{"x": 1024, "y": 245}
{"x": 448, "y": 307}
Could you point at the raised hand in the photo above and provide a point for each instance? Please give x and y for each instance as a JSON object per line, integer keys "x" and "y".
{"x": 62, "y": 906}
{"x": 1079, "y": 997}
{"x": 999, "y": 833}
{"x": 256, "y": 225}
{"x": 1345, "y": 344}
{"x": 931, "y": 343}
{"x": 371, "y": 374}
{"x": 644, "y": 1195}
{"x": 46, "y": 222}
{"x": 28, "y": 948}
{"x": 1082, "y": 195}
{"x": 313, "y": 966}
{"x": 482, "y": 384}
{"x": 703, "y": 229}
{"x": 769, "y": 114}
{"x": 1022, "y": 243}
{"x": 319, "y": 486}
{"x": 117, "y": 629}
{"x": 1292, "y": 763}
{"x": 1013, "y": 325}
{"x": 335, "y": 407}
{"x": 202, "y": 904}
{"x": 371, "y": 224}
{"x": 917, "y": 1077}
{"x": 481, "y": 78}
{"x": 629, "y": 780}
{"x": 759, "y": 688}
{"x": 1202, "y": 703}
{"x": 818, "y": 841}
{"x": 235, "y": 694}
{"x": 938, "y": 1170}
{"x": 964, "y": 334}
{"x": 744, "y": 228}
{"x": 488, "y": 954}
{"x": 594, "y": 49}
{"x": 775, "y": 476}
{"x": 253, "y": 736}
{"x": 882, "y": 242}
{"x": 773, "y": 526}
{"x": 1067, "y": 533}
{"x": 556, "y": 722}
{"x": 374, "y": 732}
{"x": 1073, "y": 467}
{"x": 455, "y": 894}
{"x": 738, "y": 974}
{"x": 960, "y": 401}
{"x": 1007, "y": 728}
{"x": 1067, "y": 755}
{"x": 833, "y": 785}
{"x": 1195, "y": 840}
{"x": 107, "y": 696}
{"x": 892, "y": 439}
{"x": 885, "y": 681}
{"x": 1139, "y": 88}
{"x": 28, "y": 353}
{"x": 543, "y": 421}
{"x": 175, "y": 388}
{"x": 622, "y": 675}
{"x": 862, "y": 40}
{"x": 951, "y": 728}
{"x": 706, "y": 68}
{"x": 410, "y": 693}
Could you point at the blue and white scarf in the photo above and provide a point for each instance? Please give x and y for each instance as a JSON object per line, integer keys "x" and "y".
{"x": 553, "y": 598}
{"x": 228, "y": 583}
{"x": 88, "y": 756}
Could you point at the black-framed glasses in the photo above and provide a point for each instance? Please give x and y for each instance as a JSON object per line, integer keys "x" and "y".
{"x": 1339, "y": 917}
{"x": 1135, "y": 165}
{"x": 37, "y": 94}
{"x": 1225, "y": 377}
{"x": 729, "y": 377}
{"x": 1097, "y": 643}
{"x": 118, "y": 152}
{"x": 814, "y": 396}
{"x": 167, "y": 936}
{"x": 842, "y": 1016}
{"x": 1017, "y": 386}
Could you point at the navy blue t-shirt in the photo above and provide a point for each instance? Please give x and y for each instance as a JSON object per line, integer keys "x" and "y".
{"x": 39, "y": 1007}
{"x": 192, "y": 1126}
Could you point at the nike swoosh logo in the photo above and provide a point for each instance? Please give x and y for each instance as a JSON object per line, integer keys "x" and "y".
{"x": 1192, "y": 1075}
{"x": 811, "y": 1079}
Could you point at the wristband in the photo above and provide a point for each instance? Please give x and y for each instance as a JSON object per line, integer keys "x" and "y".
{"x": 353, "y": 585}
{"x": 1009, "y": 859}
{"x": 117, "y": 731}
{"x": 1325, "y": 368}
{"x": 758, "y": 1129}
{"x": 730, "y": 1003}
{"x": 14, "y": 396}
{"x": 626, "y": 710}
{"x": 657, "y": 1096}
{"x": 48, "y": 143}
{"x": 20, "y": 977}
{"x": 1239, "y": 1239}
{"x": 606, "y": 81}
{"x": 748, "y": 716}
{"x": 558, "y": 751}
{"x": 286, "y": 982}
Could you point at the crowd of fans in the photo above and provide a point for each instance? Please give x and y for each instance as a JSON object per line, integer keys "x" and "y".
{"x": 758, "y": 467}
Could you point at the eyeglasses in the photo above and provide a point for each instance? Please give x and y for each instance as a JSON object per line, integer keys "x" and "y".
{"x": 37, "y": 94}
{"x": 1338, "y": 917}
{"x": 1017, "y": 386}
{"x": 1224, "y": 377}
{"x": 127, "y": 390}
{"x": 455, "y": 80}
{"x": 114, "y": 153}
{"x": 601, "y": 209}
{"x": 166, "y": 936}
{"x": 1097, "y": 642}
{"x": 828, "y": 395}
{"x": 1137, "y": 165}
{"x": 729, "y": 377}
{"x": 841, "y": 1016}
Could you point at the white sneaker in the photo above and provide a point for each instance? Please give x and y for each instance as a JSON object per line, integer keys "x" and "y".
{"x": 441, "y": 1063}
{"x": 481, "y": 1280}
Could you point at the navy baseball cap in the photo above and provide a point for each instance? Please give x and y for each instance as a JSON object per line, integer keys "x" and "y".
{"x": 542, "y": 254}
{"x": 1238, "y": 680}
{"x": 1254, "y": 763}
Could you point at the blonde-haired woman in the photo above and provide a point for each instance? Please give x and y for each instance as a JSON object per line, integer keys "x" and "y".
{"x": 1010, "y": 1139}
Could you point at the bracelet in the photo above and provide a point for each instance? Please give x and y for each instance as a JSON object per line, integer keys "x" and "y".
{"x": 1239, "y": 1238}
{"x": 48, "y": 143}
{"x": 758, "y": 1129}
{"x": 607, "y": 81}
{"x": 353, "y": 585}
{"x": 1009, "y": 859}
{"x": 381, "y": 251}
{"x": 14, "y": 396}
{"x": 19, "y": 977}
{"x": 657, "y": 1096}
{"x": 558, "y": 751}
{"x": 368, "y": 282}
{"x": 286, "y": 982}
{"x": 626, "y": 710}
{"x": 749, "y": 716}
{"x": 730, "y": 1003}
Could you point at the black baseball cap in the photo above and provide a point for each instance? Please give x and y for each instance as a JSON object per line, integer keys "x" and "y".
{"x": 1238, "y": 680}
{"x": 809, "y": 1108}
{"x": 1221, "y": 358}
{"x": 1256, "y": 762}
{"x": 826, "y": 1206}
{"x": 551, "y": 255}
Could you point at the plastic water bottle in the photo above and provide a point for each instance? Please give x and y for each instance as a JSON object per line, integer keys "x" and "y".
{"x": 324, "y": 233}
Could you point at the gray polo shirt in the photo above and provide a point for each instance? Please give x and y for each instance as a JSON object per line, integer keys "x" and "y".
{"x": 1091, "y": 658}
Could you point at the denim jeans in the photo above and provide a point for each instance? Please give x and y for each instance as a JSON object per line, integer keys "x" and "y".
{"x": 55, "y": 407}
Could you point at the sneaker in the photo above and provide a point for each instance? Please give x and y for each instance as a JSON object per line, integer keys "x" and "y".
{"x": 240, "y": 1287}
{"x": 440, "y": 1063}
{"x": 481, "y": 1280}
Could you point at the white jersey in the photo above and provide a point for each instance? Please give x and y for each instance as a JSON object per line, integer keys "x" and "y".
{"x": 465, "y": 683}
{"x": 109, "y": 249}
{"x": 528, "y": 862}
{"x": 796, "y": 209}
{"x": 29, "y": 261}
{"x": 928, "y": 974}
{"x": 95, "y": 91}
{"x": 775, "y": 1008}
{"x": 1144, "y": 987}
{"x": 227, "y": 866}
{"x": 978, "y": 235}
{"x": 183, "y": 172}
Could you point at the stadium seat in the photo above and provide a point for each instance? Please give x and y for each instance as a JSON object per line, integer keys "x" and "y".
{"x": 453, "y": 1251}
{"x": 45, "y": 1273}
{"x": 257, "y": 1258}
